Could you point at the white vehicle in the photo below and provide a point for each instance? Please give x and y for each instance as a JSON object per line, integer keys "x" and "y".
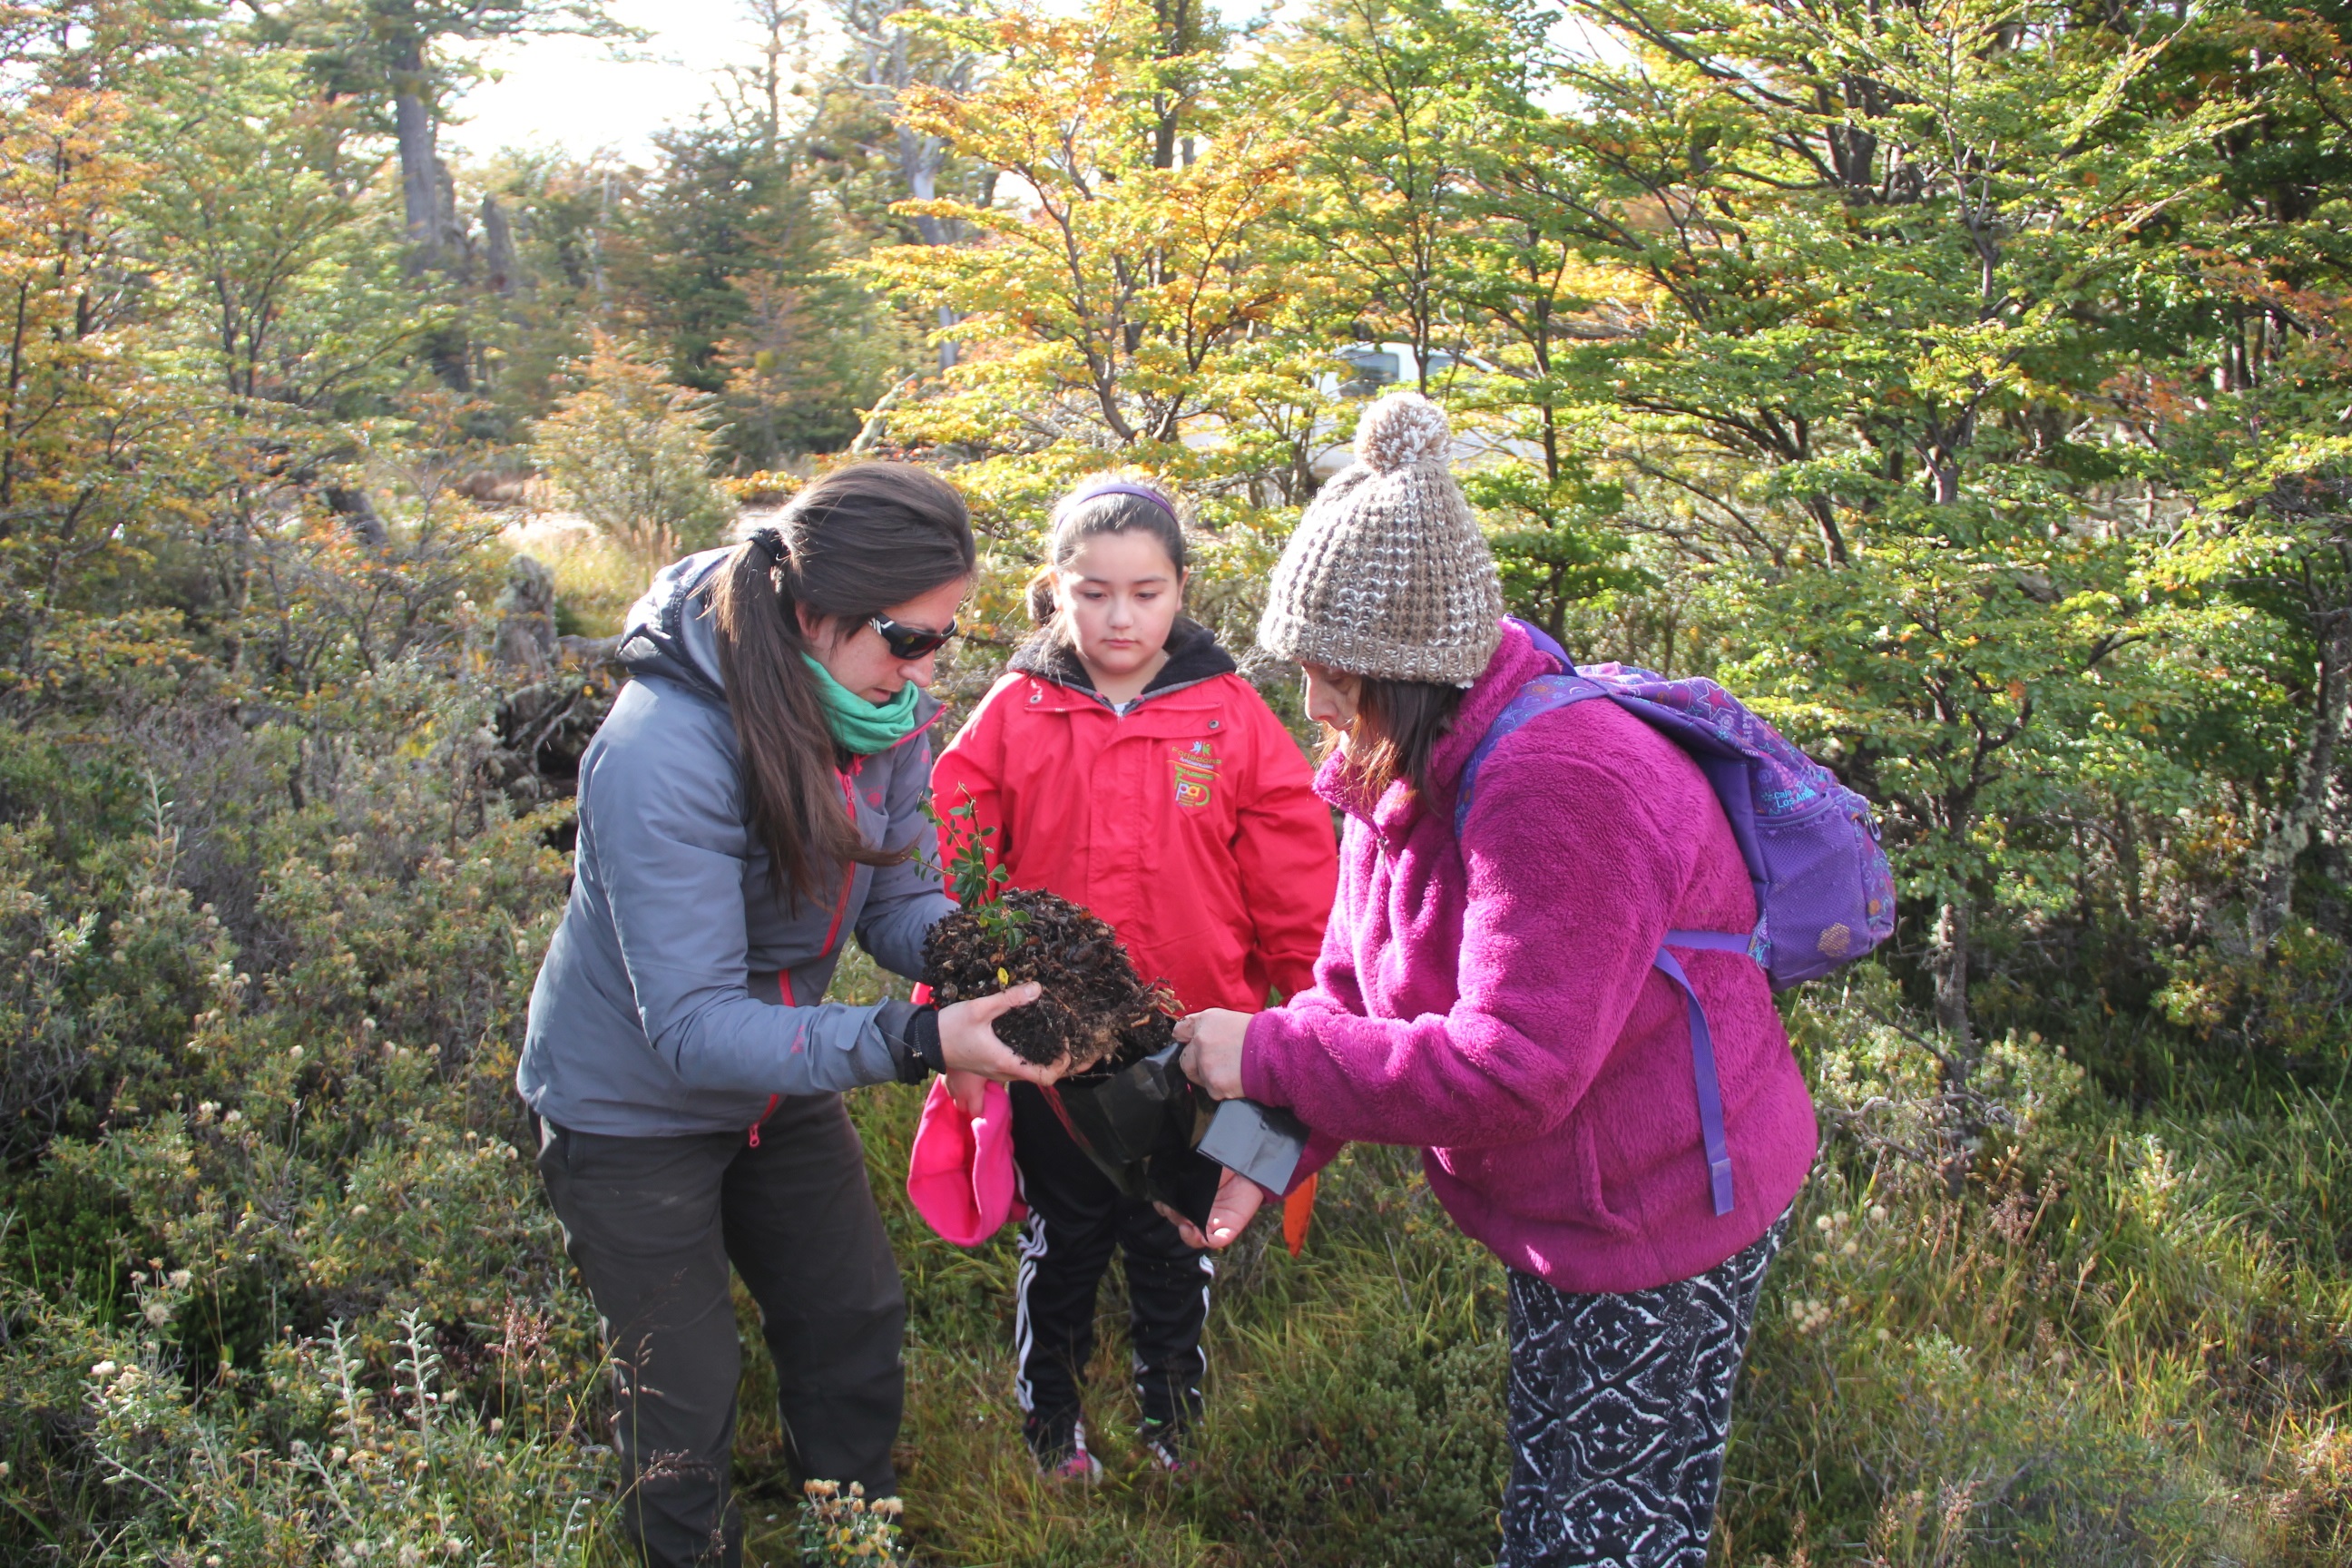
{"x": 1377, "y": 367}
{"x": 1370, "y": 369}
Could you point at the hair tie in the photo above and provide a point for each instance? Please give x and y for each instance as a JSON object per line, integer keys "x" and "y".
{"x": 1141, "y": 492}
{"x": 769, "y": 540}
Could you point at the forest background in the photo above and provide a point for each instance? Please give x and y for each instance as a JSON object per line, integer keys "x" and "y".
{"x": 1964, "y": 382}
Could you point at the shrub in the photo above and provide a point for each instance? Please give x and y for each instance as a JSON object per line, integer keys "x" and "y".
{"x": 631, "y": 452}
{"x": 278, "y": 1283}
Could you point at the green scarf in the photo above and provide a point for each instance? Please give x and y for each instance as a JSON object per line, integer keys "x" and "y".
{"x": 866, "y": 728}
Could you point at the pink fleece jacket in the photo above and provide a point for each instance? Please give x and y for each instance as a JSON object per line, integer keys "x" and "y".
{"x": 1493, "y": 999}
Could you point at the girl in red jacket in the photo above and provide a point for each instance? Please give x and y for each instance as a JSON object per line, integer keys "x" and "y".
{"x": 1125, "y": 766}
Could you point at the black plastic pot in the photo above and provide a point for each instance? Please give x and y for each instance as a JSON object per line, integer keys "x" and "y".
{"x": 1138, "y": 1125}
{"x": 1160, "y": 1139}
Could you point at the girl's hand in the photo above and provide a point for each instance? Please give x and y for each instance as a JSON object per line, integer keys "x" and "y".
{"x": 968, "y": 1042}
{"x": 1212, "y": 1057}
{"x": 1236, "y": 1204}
{"x": 968, "y": 1091}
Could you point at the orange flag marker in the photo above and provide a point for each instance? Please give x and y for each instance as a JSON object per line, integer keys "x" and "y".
{"x": 1297, "y": 1214}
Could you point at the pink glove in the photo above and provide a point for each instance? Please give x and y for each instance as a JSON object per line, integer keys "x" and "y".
{"x": 960, "y": 1177}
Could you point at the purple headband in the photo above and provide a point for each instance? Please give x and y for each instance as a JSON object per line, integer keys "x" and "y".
{"x": 1141, "y": 492}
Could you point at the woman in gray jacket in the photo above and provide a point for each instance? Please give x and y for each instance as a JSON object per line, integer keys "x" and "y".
{"x": 753, "y": 800}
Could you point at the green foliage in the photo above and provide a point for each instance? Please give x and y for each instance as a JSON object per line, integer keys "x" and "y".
{"x": 1118, "y": 315}
{"x": 1964, "y": 386}
{"x": 1376, "y": 92}
{"x": 845, "y": 1528}
{"x": 629, "y": 451}
{"x": 973, "y": 875}
{"x": 277, "y": 270}
{"x": 734, "y": 268}
{"x": 1557, "y": 543}
{"x": 279, "y": 1205}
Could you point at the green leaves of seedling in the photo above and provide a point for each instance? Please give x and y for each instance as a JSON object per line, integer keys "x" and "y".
{"x": 973, "y": 881}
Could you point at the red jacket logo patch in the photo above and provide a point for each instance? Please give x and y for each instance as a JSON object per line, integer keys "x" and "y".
{"x": 1196, "y": 771}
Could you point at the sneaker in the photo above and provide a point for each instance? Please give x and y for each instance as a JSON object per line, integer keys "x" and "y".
{"x": 1069, "y": 1462}
{"x": 1163, "y": 1440}
{"x": 1080, "y": 1466}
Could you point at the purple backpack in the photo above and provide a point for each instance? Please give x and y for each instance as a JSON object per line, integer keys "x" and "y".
{"x": 1824, "y": 892}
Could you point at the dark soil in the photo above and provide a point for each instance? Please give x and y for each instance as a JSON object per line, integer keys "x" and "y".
{"x": 1094, "y": 1010}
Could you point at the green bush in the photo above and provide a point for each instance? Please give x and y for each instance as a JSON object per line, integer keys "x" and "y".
{"x": 631, "y": 452}
{"x": 278, "y": 1195}
{"x": 280, "y": 1287}
{"x": 278, "y": 1283}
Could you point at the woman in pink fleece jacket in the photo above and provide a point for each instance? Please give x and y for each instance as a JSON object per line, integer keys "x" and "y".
{"x": 1492, "y": 998}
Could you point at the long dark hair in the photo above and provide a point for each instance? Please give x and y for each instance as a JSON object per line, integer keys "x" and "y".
{"x": 1105, "y": 504}
{"x": 1398, "y": 725}
{"x": 852, "y": 545}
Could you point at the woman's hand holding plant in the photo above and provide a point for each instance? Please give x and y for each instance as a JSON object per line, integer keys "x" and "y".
{"x": 968, "y": 1042}
{"x": 1212, "y": 1057}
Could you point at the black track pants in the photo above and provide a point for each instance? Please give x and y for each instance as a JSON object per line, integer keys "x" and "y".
{"x": 653, "y": 1223}
{"x": 1076, "y": 1220}
{"x": 1620, "y": 1408}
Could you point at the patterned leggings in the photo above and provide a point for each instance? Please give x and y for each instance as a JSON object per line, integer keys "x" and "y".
{"x": 1620, "y": 1408}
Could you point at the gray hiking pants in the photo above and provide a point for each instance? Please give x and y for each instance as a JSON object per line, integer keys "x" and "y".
{"x": 653, "y": 1224}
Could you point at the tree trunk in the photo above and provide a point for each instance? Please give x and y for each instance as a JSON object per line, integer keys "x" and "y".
{"x": 420, "y": 172}
{"x": 455, "y": 246}
{"x": 2271, "y": 878}
{"x": 1180, "y": 35}
{"x": 526, "y": 637}
{"x": 1959, "y": 1130}
{"x": 359, "y": 514}
{"x": 918, "y": 165}
{"x": 1824, "y": 513}
{"x": 2127, "y": 862}
{"x": 498, "y": 248}
{"x": 1952, "y": 969}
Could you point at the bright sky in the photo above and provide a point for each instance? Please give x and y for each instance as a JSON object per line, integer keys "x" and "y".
{"x": 571, "y": 94}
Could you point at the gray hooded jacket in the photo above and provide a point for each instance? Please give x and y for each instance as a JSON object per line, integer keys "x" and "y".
{"x": 680, "y": 994}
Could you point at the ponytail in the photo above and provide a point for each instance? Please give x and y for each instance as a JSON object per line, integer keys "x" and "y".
{"x": 858, "y": 542}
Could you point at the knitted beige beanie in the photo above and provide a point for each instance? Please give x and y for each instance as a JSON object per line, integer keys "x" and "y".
{"x": 1387, "y": 575}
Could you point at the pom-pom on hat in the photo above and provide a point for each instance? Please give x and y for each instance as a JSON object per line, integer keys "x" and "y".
{"x": 1387, "y": 575}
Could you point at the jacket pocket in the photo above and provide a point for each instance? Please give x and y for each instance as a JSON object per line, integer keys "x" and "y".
{"x": 1552, "y": 1180}
{"x": 1591, "y": 1191}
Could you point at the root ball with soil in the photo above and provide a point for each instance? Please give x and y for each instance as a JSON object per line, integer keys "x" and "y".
{"x": 1094, "y": 1008}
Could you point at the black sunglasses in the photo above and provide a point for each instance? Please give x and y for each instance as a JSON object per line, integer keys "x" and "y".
{"x": 910, "y": 642}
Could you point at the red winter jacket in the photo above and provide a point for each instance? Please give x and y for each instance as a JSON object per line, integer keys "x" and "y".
{"x": 1190, "y": 824}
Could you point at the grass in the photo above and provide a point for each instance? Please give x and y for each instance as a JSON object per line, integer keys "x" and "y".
{"x": 1288, "y": 1470}
{"x": 2126, "y": 1338}
{"x": 2122, "y": 1341}
{"x": 596, "y": 579}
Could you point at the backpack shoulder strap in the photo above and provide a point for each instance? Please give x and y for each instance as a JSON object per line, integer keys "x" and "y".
{"x": 1542, "y": 695}
{"x": 1702, "y": 1074}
